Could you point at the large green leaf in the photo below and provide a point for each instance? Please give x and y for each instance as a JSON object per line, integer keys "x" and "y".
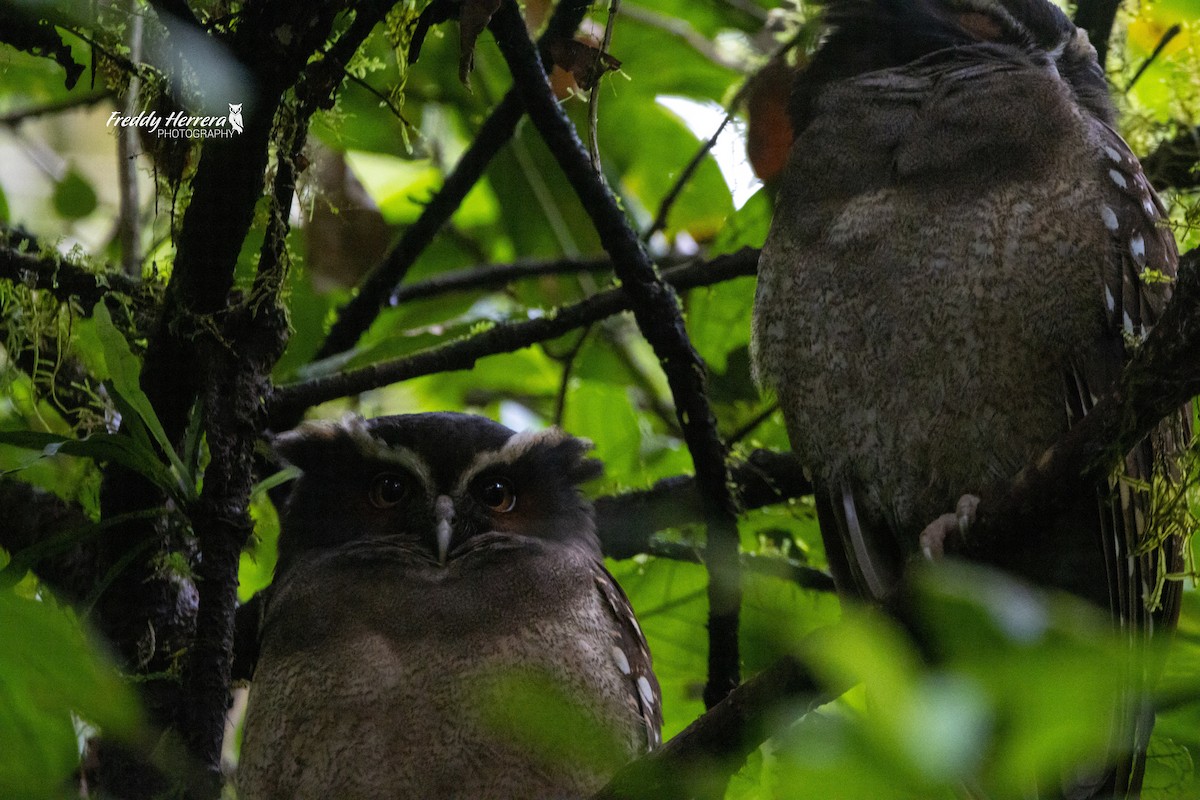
{"x": 125, "y": 370}
{"x": 48, "y": 672}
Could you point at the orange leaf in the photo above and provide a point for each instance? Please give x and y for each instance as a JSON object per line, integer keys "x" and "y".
{"x": 584, "y": 62}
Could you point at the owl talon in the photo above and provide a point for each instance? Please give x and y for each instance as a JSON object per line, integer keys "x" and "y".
{"x": 933, "y": 538}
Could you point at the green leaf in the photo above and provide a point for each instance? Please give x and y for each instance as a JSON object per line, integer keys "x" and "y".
{"x": 100, "y": 447}
{"x": 48, "y": 670}
{"x": 125, "y": 370}
{"x": 74, "y": 197}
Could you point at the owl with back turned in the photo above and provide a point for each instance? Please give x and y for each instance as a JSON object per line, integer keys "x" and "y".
{"x": 439, "y": 587}
{"x": 964, "y": 253}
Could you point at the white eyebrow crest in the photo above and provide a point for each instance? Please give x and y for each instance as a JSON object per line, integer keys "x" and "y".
{"x": 512, "y": 450}
{"x": 372, "y": 447}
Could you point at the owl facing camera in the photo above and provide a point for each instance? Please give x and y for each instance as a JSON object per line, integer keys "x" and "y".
{"x": 441, "y": 621}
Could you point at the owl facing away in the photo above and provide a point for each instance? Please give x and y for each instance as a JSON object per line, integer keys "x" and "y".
{"x": 964, "y": 251}
{"x": 428, "y": 564}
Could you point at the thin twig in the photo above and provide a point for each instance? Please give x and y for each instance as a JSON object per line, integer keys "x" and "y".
{"x": 15, "y": 118}
{"x": 289, "y": 402}
{"x": 373, "y": 292}
{"x": 1169, "y": 34}
{"x": 664, "y": 208}
{"x": 616, "y": 333}
{"x": 802, "y": 575}
{"x": 755, "y": 421}
{"x": 128, "y": 206}
{"x": 681, "y": 30}
{"x": 564, "y": 381}
{"x": 383, "y": 98}
{"x": 594, "y": 97}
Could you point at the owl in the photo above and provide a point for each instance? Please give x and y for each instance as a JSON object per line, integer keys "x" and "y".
{"x": 963, "y": 254}
{"x": 429, "y": 563}
{"x": 235, "y": 117}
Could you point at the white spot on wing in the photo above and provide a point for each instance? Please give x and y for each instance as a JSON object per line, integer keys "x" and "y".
{"x": 1137, "y": 248}
{"x": 1108, "y": 299}
{"x": 1118, "y": 178}
{"x": 1109, "y": 217}
{"x": 1128, "y": 323}
{"x": 645, "y": 691}
{"x": 622, "y": 660}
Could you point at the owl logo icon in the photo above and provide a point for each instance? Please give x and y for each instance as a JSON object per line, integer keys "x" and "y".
{"x": 235, "y": 117}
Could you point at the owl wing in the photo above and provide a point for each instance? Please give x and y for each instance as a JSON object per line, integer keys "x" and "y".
{"x": 1136, "y": 285}
{"x": 631, "y": 654}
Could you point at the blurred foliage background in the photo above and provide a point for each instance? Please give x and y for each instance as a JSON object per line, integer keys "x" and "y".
{"x": 1016, "y": 696}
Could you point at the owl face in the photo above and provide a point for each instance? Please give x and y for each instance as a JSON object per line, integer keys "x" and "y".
{"x": 434, "y": 485}
{"x": 870, "y": 35}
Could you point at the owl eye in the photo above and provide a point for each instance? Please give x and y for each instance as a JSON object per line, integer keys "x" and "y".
{"x": 388, "y": 489}
{"x": 497, "y": 494}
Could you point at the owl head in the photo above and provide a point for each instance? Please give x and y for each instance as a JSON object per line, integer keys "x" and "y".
{"x": 869, "y": 35}
{"x": 435, "y": 485}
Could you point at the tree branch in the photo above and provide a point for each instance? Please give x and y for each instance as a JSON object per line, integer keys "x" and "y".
{"x": 184, "y": 359}
{"x": 490, "y": 277}
{"x": 33, "y": 517}
{"x": 356, "y": 316}
{"x": 656, "y": 309}
{"x": 1175, "y": 164}
{"x": 1096, "y": 17}
{"x": 627, "y": 521}
{"x": 1162, "y": 375}
{"x": 289, "y": 401}
{"x": 12, "y": 119}
{"x": 715, "y": 745}
{"x": 66, "y": 281}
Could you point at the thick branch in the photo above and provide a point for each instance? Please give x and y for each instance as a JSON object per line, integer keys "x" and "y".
{"x": 1175, "y": 164}
{"x": 66, "y": 281}
{"x": 1163, "y": 375}
{"x": 356, "y": 316}
{"x": 627, "y": 521}
{"x": 656, "y": 309}
{"x": 32, "y": 517}
{"x": 1096, "y": 17}
{"x": 274, "y": 41}
{"x": 289, "y": 401}
{"x": 716, "y": 744}
{"x": 240, "y": 363}
{"x": 497, "y": 276}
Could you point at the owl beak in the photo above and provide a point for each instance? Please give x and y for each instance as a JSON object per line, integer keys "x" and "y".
{"x": 443, "y": 509}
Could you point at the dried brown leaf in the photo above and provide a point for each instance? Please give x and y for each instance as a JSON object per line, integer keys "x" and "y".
{"x": 585, "y": 62}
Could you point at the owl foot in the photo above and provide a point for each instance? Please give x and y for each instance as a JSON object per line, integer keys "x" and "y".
{"x": 933, "y": 538}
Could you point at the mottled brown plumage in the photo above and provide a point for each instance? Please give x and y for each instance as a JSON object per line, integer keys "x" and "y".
{"x": 425, "y": 560}
{"x": 956, "y": 269}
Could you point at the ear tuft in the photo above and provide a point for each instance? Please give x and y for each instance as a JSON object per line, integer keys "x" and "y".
{"x": 315, "y": 445}
{"x": 572, "y": 451}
